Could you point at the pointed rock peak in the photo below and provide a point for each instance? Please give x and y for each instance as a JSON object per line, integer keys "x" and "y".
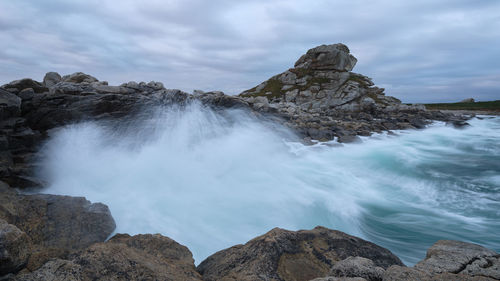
{"x": 328, "y": 57}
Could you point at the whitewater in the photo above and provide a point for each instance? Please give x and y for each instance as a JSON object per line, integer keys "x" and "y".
{"x": 213, "y": 179}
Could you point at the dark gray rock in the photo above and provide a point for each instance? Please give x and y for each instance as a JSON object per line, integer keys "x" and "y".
{"x": 19, "y": 85}
{"x": 10, "y": 105}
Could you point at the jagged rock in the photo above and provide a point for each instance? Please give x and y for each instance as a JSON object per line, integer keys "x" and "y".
{"x": 456, "y": 257}
{"x": 328, "y": 57}
{"x": 140, "y": 257}
{"x": 15, "y": 248}
{"x": 51, "y": 78}
{"x": 10, "y": 105}
{"x": 282, "y": 255}
{"x": 357, "y": 267}
{"x": 79, "y": 77}
{"x": 56, "y": 225}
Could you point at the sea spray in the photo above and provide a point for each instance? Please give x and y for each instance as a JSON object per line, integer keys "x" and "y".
{"x": 213, "y": 179}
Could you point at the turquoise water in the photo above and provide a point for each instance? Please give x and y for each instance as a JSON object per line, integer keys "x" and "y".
{"x": 212, "y": 180}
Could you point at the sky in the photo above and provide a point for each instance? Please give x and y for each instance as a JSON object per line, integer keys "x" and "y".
{"x": 419, "y": 51}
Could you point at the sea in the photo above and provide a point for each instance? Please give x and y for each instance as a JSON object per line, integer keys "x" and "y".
{"x": 211, "y": 179}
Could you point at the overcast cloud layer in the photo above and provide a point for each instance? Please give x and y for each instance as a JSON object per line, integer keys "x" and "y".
{"x": 420, "y": 51}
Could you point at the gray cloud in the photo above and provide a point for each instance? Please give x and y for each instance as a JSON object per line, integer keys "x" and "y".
{"x": 420, "y": 51}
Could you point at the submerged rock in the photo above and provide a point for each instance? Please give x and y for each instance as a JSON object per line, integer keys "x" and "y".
{"x": 291, "y": 255}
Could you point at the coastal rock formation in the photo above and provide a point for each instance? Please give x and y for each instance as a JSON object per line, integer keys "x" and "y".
{"x": 322, "y": 99}
{"x": 56, "y": 225}
{"x": 123, "y": 257}
{"x": 283, "y": 255}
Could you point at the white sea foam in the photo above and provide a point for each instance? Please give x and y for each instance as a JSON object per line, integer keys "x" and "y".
{"x": 211, "y": 180}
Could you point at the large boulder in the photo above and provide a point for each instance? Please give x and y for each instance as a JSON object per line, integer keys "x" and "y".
{"x": 282, "y": 255}
{"x": 15, "y": 247}
{"x": 56, "y": 225}
{"x": 328, "y": 57}
{"x": 123, "y": 257}
{"x": 51, "y": 79}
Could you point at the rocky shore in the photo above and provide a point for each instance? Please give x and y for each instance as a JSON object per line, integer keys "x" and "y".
{"x": 50, "y": 237}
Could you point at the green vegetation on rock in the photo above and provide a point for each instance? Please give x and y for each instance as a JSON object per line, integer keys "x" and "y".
{"x": 483, "y": 105}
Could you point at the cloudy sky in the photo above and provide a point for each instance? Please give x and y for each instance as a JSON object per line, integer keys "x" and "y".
{"x": 424, "y": 50}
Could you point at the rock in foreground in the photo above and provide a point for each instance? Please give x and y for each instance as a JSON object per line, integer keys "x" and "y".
{"x": 140, "y": 257}
{"x": 56, "y": 225}
{"x": 282, "y": 255}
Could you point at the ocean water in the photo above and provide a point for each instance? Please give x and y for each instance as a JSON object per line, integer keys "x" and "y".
{"x": 211, "y": 180}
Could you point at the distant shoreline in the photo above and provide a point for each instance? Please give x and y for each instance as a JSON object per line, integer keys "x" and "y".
{"x": 458, "y": 108}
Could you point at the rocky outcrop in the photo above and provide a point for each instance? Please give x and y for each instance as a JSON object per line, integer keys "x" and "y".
{"x": 56, "y": 225}
{"x": 322, "y": 99}
{"x": 282, "y": 255}
{"x": 140, "y": 257}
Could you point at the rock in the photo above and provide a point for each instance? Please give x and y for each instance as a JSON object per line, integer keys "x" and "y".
{"x": 79, "y": 77}
{"x": 468, "y": 100}
{"x": 456, "y": 257}
{"x": 10, "y": 105}
{"x": 328, "y": 57}
{"x": 349, "y": 139}
{"x": 51, "y": 78}
{"x": 56, "y": 225}
{"x": 400, "y": 273}
{"x": 458, "y": 124}
{"x": 15, "y": 248}
{"x": 19, "y": 85}
{"x": 140, "y": 257}
{"x": 26, "y": 94}
{"x": 291, "y": 255}
{"x": 357, "y": 267}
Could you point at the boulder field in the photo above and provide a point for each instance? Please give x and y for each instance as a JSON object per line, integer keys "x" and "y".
{"x": 51, "y": 237}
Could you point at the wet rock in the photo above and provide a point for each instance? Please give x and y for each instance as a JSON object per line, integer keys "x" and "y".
{"x": 330, "y": 278}
{"x": 123, "y": 257}
{"x": 349, "y": 139}
{"x": 458, "y": 124}
{"x": 56, "y": 225}
{"x": 51, "y": 79}
{"x": 291, "y": 255}
{"x": 357, "y": 267}
{"x": 15, "y": 248}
